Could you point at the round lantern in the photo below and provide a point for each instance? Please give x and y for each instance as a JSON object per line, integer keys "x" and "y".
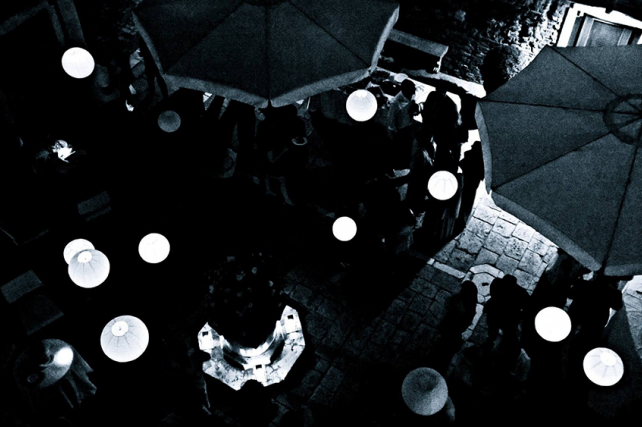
{"x": 124, "y": 339}
{"x": 78, "y": 63}
{"x": 424, "y": 391}
{"x": 344, "y": 228}
{"x": 169, "y": 121}
{"x": 153, "y": 248}
{"x": 361, "y": 105}
{"x": 89, "y": 268}
{"x": 553, "y": 324}
{"x": 603, "y": 366}
{"x": 74, "y": 247}
{"x": 442, "y": 185}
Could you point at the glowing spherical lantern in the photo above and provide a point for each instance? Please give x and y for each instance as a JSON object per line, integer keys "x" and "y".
{"x": 553, "y": 324}
{"x": 169, "y": 121}
{"x": 153, "y": 248}
{"x": 89, "y": 268}
{"x": 74, "y": 247}
{"x": 361, "y": 105}
{"x": 424, "y": 391}
{"x": 603, "y": 366}
{"x": 124, "y": 339}
{"x": 344, "y": 228}
{"x": 78, "y": 63}
{"x": 442, "y": 185}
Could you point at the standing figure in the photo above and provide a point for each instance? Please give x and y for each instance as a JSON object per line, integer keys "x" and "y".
{"x": 473, "y": 170}
{"x": 504, "y": 309}
{"x": 401, "y": 122}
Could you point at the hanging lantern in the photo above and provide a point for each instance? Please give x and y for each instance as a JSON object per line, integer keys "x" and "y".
{"x": 169, "y": 121}
{"x": 344, "y": 228}
{"x": 89, "y": 268}
{"x": 603, "y": 366}
{"x": 361, "y": 105}
{"x": 424, "y": 391}
{"x": 553, "y": 324}
{"x": 74, "y": 247}
{"x": 124, "y": 339}
{"x": 153, "y": 248}
{"x": 442, "y": 185}
{"x": 78, "y": 63}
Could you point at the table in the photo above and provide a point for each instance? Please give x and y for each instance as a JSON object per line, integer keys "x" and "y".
{"x": 265, "y": 370}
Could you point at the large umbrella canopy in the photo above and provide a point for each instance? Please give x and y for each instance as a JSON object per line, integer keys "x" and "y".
{"x": 255, "y": 51}
{"x": 562, "y": 144}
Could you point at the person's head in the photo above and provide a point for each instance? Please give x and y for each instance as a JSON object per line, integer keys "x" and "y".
{"x": 510, "y": 280}
{"x": 408, "y": 88}
{"x": 468, "y": 291}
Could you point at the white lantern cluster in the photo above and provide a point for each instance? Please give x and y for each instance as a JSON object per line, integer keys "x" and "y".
{"x": 153, "y": 248}
{"x": 78, "y": 63}
{"x": 442, "y": 185}
{"x": 361, "y": 105}
{"x": 88, "y": 267}
{"x": 124, "y": 338}
{"x": 603, "y": 366}
{"x": 553, "y": 324}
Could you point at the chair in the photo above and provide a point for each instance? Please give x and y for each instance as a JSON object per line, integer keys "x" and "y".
{"x": 29, "y": 303}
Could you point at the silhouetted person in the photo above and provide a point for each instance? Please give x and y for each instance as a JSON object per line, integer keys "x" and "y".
{"x": 504, "y": 309}
{"x": 460, "y": 312}
{"x": 473, "y": 170}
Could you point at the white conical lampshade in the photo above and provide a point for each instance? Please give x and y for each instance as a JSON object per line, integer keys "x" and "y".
{"x": 553, "y": 324}
{"x": 74, "y": 247}
{"x": 169, "y": 121}
{"x": 603, "y": 366}
{"x": 78, "y": 63}
{"x": 361, "y": 105}
{"x": 124, "y": 339}
{"x": 425, "y": 391}
{"x": 153, "y": 248}
{"x": 89, "y": 268}
{"x": 344, "y": 228}
{"x": 442, "y": 185}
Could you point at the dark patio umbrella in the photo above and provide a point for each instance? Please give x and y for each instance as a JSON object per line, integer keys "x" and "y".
{"x": 255, "y": 51}
{"x": 562, "y": 143}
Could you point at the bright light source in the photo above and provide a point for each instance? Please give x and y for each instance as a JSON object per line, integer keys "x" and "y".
{"x": 78, "y": 63}
{"x": 89, "y": 268}
{"x": 603, "y": 366}
{"x": 344, "y": 228}
{"x": 442, "y": 185}
{"x": 64, "y": 356}
{"x": 361, "y": 105}
{"x": 74, "y": 247}
{"x": 124, "y": 338}
{"x": 553, "y": 324}
{"x": 153, "y": 248}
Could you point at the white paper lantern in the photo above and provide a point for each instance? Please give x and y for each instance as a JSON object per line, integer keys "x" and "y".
{"x": 169, "y": 121}
{"x": 74, "y": 247}
{"x": 361, "y": 105}
{"x": 124, "y": 339}
{"x": 603, "y": 366}
{"x": 553, "y": 324}
{"x": 344, "y": 228}
{"x": 424, "y": 391}
{"x": 442, "y": 185}
{"x": 78, "y": 63}
{"x": 89, "y": 268}
{"x": 153, "y": 248}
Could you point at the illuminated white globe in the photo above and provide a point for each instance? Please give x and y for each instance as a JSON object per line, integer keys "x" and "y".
{"x": 424, "y": 391}
{"x": 89, "y": 268}
{"x": 442, "y": 185}
{"x": 553, "y": 324}
{"x": 153, "y": 248}
{"x": 124, "y": 339}
{"x": 78, "y": 63}
{"x": 74, "y": 247}
{"x": 344, "y": 228}
{"x": 603, "y": 366}
{"x": 64, "y": 356}
{"x": 361, "y": 105}
{"x": 169, "y": 121}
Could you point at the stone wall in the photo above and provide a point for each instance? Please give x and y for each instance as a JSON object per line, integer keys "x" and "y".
{"x": 471, "y": 28}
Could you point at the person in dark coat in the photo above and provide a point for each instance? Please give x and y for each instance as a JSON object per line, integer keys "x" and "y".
{"x": 504, "y": 308}
{"x": 473, "y": 170}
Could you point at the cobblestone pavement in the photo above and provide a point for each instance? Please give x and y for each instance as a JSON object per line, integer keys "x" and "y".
{"x": 346, "y": 346}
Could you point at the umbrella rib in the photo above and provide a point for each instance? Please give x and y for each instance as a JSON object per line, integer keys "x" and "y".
{"x": 552, "y": 106}
{"x": 586, "y": 72}
{"x": 329, "y": 34}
